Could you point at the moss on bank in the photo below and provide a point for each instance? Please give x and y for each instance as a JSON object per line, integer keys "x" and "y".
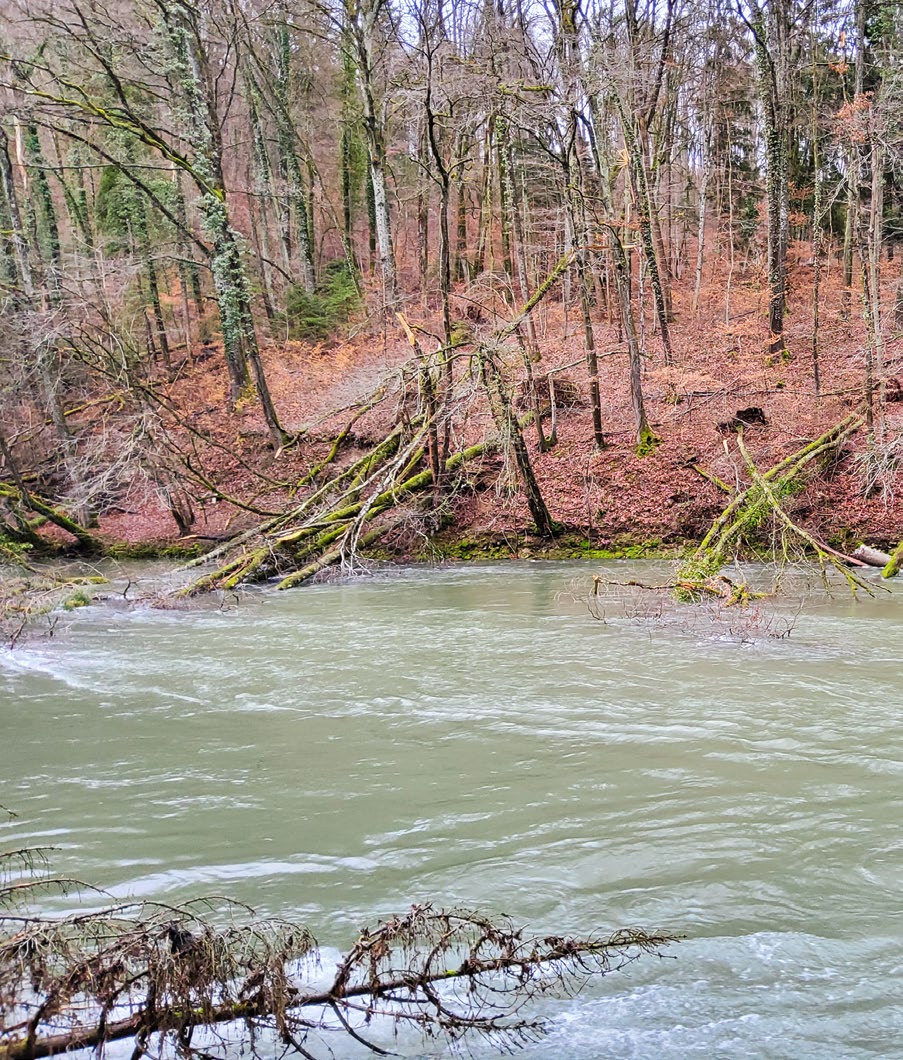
{"x": 179, "y": 550}
{"x": 520, "y": 545}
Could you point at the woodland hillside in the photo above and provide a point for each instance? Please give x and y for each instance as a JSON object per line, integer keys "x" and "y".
{"x": 443, "y": 278}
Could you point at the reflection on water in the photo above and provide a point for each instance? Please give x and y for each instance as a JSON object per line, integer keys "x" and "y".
{"x": 472, "y": 736}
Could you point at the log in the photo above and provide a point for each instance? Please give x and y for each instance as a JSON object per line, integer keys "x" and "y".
{"x": 872, "y": 557}
{"x": 312, "y": 546}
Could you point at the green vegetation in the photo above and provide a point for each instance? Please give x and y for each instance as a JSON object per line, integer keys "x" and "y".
{"x": 79, "y": 598}
{"x": 489, "y": 546}
{"x": 313, "y": 316}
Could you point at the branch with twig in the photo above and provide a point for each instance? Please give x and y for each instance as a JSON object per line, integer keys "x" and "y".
{"x": 154, "y": 974}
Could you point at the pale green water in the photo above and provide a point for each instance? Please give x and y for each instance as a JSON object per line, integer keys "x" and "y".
{"x": 471, "y": 736}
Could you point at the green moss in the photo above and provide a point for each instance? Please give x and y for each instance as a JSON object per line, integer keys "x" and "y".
{"x": 156, "y": 550}
{"x": 79, "y": 598}
{"x": 648, "y": 443}
{"x": 479, "y": 547}
{"x": 460, "y": 333}
{"x": 12, "y": 551}
{"x": 624, "y": 548}
{"x": 571, "y": 545}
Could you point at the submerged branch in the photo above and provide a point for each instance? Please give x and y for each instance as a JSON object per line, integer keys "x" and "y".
{"x": 88, "y": 980}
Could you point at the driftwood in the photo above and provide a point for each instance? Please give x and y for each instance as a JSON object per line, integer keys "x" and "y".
{"x": 873, "y": 557}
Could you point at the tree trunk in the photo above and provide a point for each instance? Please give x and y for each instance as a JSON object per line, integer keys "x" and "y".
{"x": 639, "y": 180}
{"x": 510, "y": 431}
{"x": 16, "y": 236}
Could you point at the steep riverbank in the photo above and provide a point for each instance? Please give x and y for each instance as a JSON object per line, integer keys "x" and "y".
{"x": 216, "y": 473}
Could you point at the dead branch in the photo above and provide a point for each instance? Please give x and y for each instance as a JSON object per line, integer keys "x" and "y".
{"x": 155, "y": 973}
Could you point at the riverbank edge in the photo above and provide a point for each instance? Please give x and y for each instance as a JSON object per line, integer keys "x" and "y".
{"x": 458, "y": 544}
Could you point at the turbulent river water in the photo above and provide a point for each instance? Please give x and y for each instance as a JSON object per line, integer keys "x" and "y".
{"x": 473, "y": 736}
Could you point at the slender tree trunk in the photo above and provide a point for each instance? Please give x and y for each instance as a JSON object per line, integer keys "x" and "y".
{"x": 509, "y": 429}
{"x": 462, "y": 258}
{"x": 640, "y": 183}
{"x": 770, "y": 43}
{"x": 484, "y": 239}
{"x": 47, "y": 233}
{"x": 645, "y": 437}
{"x": 423, "y": 222}
{"x": 573, "y": 179}
{"x": 230, "y": 278}
{"x": 700, "y": 229}
{"x": 818, "y": 251}
{"x": 383, "y": 222}
{"x": 16, "y": 236}
{"x": 141, "y": 229}
{"x": 506, "y": 189}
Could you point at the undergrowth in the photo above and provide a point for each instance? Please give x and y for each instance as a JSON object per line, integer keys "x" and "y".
{"x": 312, "y": 316}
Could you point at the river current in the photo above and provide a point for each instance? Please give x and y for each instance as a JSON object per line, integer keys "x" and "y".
{"x": 474, "y": 736}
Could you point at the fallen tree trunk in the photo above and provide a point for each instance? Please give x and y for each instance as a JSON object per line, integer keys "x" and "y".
{"x": 750, "y": 507}
{"x": 152, "y": 983}
{"x": 21, "y": 499}
{"x": 892, "y": 569}
{"x": 872, "y": 557}
{"x": 280, "y": 549}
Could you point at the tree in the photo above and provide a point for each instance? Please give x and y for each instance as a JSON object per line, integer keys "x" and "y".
{"x": 200, "y": 977}
{"x": 775, "y": 28}
{"x": 116, "y": 100}
{"x": 366, "y": 35}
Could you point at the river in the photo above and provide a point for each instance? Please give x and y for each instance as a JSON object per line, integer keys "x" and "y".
{"x": 471, "y": 735}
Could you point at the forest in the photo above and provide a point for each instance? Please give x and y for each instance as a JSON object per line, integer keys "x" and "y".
{"x": 298, "y": 287}
{"x": 304, "y": 281}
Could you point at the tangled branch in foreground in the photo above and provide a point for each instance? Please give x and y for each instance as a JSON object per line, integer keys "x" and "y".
{"x": 163, "y": 977}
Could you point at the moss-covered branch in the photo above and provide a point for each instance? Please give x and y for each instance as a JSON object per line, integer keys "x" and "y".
{"x": 748, "y": 509}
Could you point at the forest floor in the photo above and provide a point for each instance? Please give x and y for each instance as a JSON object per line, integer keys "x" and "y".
{"x": 611, "y": 501}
